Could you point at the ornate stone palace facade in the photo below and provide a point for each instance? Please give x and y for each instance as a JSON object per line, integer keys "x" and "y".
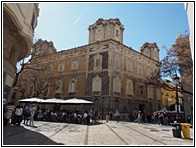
{"x": 105, "y": 71}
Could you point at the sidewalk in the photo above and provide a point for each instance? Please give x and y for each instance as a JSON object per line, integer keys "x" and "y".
{"x": 102, "y": 133}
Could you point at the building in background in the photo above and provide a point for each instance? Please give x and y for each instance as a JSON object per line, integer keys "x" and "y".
{"x": 105, "y": 71}
{"x": 188, "y": 97}
{"x": 182, "y": 47}
{"x": 19, "y": 22}
{"x": 169, "y": 97}
{"x": 189, "y": 7}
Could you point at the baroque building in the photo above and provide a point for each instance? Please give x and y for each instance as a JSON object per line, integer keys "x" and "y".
{"x": 19, "y": 22}
{"x": 104, "y": 71}
{"x": 169, "y": 97}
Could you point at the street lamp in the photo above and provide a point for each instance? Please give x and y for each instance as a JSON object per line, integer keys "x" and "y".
{"x": 176, "y": 82}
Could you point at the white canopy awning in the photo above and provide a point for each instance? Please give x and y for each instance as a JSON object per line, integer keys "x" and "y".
{"x": 54, "y": 100}
{"x": 28, "y": 100}
{"x": 77, "y": 101}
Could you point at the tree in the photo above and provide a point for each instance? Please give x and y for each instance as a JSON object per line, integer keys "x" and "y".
{"x": 177, "y": 61}
{"x": 33, "y": 67}
{"x": 30, "y": 60}
{"x": 35, "y": 83}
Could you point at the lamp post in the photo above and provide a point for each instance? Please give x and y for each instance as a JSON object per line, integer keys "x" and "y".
{"x": 176, "y": 81}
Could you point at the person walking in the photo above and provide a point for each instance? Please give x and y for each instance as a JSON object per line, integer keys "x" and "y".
{"x": 26, "y": 114}
{"x": 110, "y": 113}
{"x": 18, "y": 114}
{"x": 9, "y": 110}
{"x": 107, "y": 117}
{"x": 139, "y": 117}
{"x": 88, "y": 117}
{"x": 32, "y": 113}
{"x": 117, "y": 115}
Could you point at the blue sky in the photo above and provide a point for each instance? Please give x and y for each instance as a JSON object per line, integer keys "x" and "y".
{"x": 66, "y": 24}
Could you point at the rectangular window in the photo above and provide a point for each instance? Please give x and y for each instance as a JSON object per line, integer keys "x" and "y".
{"x": 61, "y": 67}
{"x": 74, "y": 65}
{"x": 72, "y": 87}
{"x": 117, "y": 86}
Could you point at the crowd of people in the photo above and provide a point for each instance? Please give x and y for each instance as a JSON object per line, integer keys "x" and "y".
{"x": 29, "y": 113}
{"x": 15, "y": 114}
{"x": 76, "y": 116}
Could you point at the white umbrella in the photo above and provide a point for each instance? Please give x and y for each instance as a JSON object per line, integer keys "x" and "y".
{"x": 30, "y": 100}
{"x": 53, "y": 100}
{"x": 77, "y": 101}
{"x": 175, "y": 112}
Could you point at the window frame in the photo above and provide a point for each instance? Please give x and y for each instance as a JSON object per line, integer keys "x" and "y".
{"x": 97, "y": 84}
{"x": 61, "y": 68}
{"x": 74, "y": 65}
{"x": 100, "y": 58}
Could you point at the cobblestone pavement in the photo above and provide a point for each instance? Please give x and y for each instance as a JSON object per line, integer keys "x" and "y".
{"x": 101, "y": 133}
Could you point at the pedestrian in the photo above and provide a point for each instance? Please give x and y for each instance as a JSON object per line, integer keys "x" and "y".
{"x": 107, "y": 117}
{"x": 158, "y": 118}
{"x": 26, "y": 114}
{"x": 18, "y": 114}
{"x": 117, "y": 115}
{"x": 167, "y": 119}
{"x": 8, "y": 113}
{"x": 155, "y": 114}
{"x": 88, "y": 118}
{"x": 139, "y": 117}
{"x": 110, "y": 113}
{"x": 32, "y": 113}
{"x": 161, "y": 116}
